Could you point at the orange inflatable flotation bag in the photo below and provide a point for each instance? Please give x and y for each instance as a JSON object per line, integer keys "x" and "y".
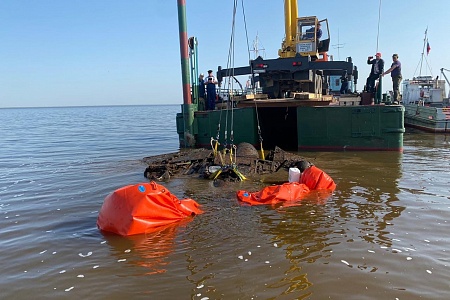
{"x": 289, "y": 191}
{"x": 316, "y": 179}
{"x": 142, "y": 207}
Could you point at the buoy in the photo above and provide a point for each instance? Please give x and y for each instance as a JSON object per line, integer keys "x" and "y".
{"x": 286, "y": 192}
{"x": 312, "y": 179}
{"x": 142, "y": 207}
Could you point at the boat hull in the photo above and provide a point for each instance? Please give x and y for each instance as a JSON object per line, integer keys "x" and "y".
{"x": 426, "y": 118}
{"x": 317, "y": 128}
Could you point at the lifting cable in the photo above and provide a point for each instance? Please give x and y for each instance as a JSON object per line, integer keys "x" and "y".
{"x": 215, "y": 142}
{"x": 379, "y": 18}
{"x": 229, "y": 84}
{"x": 253, "y": 82}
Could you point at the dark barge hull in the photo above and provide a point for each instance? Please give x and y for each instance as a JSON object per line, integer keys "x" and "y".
{"x": 293, "y": 127}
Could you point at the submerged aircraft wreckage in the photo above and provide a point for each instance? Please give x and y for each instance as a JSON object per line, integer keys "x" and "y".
{"x": 230, "y": 165}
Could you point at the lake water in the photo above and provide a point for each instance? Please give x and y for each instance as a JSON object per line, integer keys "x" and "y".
{"x": 383, "y": 234}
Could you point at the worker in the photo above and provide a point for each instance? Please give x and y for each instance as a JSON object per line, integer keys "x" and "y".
{"x": 314, "y": 178}
{"x": 210, "y": 83}
{"x": 310, "y": 32}
{"x": 344, "y": 83}
{"x": 375, "y": 72}
{"x": 396, "y": 75}
{"x": 201, "y": 92}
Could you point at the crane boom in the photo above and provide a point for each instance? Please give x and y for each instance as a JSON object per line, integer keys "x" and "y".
{"x": 290, "y": 28}
{"x": 443, "y": 74}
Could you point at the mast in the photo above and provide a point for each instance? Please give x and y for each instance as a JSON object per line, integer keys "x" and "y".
{"x": 423, "y": 51}
{"x": 184, "y": 51}
{"x": 188, "y": 108}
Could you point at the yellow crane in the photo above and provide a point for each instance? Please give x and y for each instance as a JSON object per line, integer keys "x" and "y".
{"x": 307, "y": 36}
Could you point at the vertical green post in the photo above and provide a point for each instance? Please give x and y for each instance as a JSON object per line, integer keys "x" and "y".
{"x": 379, "y": 93}
{"x": 187, "y": 109}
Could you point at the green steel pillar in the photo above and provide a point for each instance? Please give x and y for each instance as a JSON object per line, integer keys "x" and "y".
{"x": 379, "y": 94}
{"x": 187, "y": 107}
{"x": 193, "y": 56}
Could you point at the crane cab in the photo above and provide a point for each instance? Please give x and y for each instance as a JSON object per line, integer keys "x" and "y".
{"x": 313, "y": 38}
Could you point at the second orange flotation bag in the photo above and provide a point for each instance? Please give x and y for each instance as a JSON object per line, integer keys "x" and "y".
{"x": 142, "y": 207}
{"x": 289, "y": 191}
{"x": 316, "y": 179}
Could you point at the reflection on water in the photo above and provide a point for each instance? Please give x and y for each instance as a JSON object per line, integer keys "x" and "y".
{"x": 150, "y": 250}
{"x": 363, "y": 206}
{"x": 383, "y": 234}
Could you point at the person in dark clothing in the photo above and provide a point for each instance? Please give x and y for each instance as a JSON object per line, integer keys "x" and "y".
{"x": 201, "y": 92}
{"x": 344, "y": 83}
{"x": 310, "y": 32}
{"x": 210, "y": 83}
{"x": 396, "y": 74}
{"x": 375, "y": 72}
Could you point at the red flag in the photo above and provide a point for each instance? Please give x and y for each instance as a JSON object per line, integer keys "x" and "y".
{"x": 428, "y": 48}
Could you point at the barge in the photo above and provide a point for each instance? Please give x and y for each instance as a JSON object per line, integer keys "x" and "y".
{"x": 288, "y": 102}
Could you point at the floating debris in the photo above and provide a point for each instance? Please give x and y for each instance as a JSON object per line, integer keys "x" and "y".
{"x": 88, "y": 254}
{"x": 345, "y": 262}
{"x": 80, "y": 276}
{"x": 121, "y": 260}
{"x": 69, "y": 289}
{"x": 200, "y": 286}
{"x": 429, "y": 272}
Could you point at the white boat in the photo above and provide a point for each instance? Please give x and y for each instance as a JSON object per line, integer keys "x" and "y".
{"x": 424, "y": 99}
{"x": 426, "y": 105}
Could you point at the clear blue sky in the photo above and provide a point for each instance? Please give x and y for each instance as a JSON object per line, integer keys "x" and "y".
{"x": 111, "y": 52}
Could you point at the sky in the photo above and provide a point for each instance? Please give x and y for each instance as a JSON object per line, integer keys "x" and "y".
{"x": 126, "y": 52}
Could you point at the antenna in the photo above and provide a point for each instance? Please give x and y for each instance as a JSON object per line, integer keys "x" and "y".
{"x": 256, "y": 48}
{"x": 338, "y": 46}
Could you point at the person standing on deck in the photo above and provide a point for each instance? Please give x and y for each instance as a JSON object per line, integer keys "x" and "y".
{"x": 375, "y": 72}
{"x": 201, "y": 92}
{"x": 344, "y": 83}
{"x": 210, "y": 82}
{"x": 396, "y": 74}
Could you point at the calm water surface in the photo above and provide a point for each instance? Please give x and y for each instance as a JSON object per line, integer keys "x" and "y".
{"x": 384, "y": 233}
